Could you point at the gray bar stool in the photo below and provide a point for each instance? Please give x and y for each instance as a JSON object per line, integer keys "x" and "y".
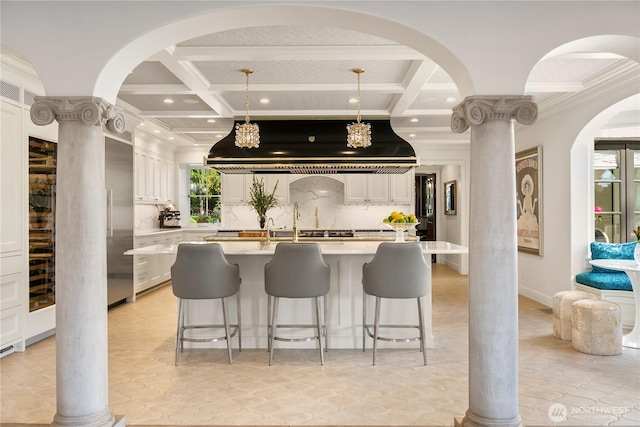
{"x": 398, "y": 271}
{"x": 201, "y": 271}
{"x": 297, "y": 270}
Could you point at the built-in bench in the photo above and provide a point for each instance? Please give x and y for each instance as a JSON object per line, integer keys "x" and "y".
{"x": 610, "y": 285}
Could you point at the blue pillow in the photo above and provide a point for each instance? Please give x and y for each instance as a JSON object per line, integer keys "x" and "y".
{"x": 601, "y": 250}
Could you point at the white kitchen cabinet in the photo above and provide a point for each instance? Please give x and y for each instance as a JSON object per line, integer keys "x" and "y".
{"x": 152, "y": 270}
{"x": 401, "y": 188}
{"x": 13, "y": 262}
{"x": 166, "y": 261}
{"x": 141, "y": 173}
{"x": 11, "y": 316}
{"x": 236, "y": 188}
{"x": 142, "y": 276}
{"x": 154, "y": 182}
{"x": 232, "y": 188}
{"x": 365, "y": 188}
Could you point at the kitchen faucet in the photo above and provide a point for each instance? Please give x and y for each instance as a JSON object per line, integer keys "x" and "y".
{"x": 296, "y": 217}
{"x": 269, "y": 230}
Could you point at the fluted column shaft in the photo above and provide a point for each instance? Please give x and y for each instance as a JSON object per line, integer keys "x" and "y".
{"x": 493, "y": 275}
{"x": 81, "y": 290}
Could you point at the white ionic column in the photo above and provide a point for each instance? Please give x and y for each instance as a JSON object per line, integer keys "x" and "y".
{"x": 493, "y": 275}
{"x": 81, "y": 278}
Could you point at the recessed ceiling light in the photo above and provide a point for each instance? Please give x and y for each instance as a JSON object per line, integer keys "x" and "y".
{"x": 219, "y": 136}
{"x": 211, "y": 120}
{"x": 451, "y": 99}
{"x": 414, "y": 120}
{"x": 264, "y": 101}
{"x": 168, "y": 101}
{"x": 353, "y": 100}
{"x": 171, "y": 138}
{"x": 412, "y": 135}
{"x": 190, "y": 101}
{"x": 156, "y": 131}
{"x": 141, "y": 123}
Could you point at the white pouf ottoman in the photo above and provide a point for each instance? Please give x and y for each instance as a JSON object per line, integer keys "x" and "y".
{"x": 597, "y": 328}
{"x": 562, "y": 302}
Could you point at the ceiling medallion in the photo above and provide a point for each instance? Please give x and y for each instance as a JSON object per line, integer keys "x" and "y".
{"x": 247, "y": 134}
{"x": 358, "y": 134}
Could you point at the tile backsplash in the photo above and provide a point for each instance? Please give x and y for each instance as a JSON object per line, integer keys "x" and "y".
{"x": 316, "y": 192}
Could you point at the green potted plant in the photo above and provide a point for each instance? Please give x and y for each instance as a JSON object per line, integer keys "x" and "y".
{"x": 260, "y": 200}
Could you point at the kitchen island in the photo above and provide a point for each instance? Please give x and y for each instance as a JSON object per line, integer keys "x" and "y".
{"x": 344, "y": 301}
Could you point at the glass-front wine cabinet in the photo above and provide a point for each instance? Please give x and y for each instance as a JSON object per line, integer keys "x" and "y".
{"x": 42, "y": 204}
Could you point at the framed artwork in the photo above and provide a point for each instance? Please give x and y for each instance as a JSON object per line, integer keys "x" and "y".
{"x": 450, "y": 198}
{"x": 529, "y": 200}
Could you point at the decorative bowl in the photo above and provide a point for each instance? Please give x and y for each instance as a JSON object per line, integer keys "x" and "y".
{"x": 400, "y": 228}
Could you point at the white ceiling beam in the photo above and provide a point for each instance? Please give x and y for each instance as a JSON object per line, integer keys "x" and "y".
{"x": 294, "y": 53}
{"x": 194, "y": 114}
{"x": 308, "y": 87}
{"x": 433, "y": 112}
{"x": 155, "y": 89}
{"x": 194, "y": 80}
{"x": 200, "y": 130}
{"x": 418, "y": 74}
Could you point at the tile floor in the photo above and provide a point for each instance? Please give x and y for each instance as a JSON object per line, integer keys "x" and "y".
{"x": 148, "y": 389}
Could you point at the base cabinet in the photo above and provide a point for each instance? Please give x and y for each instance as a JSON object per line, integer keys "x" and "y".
{"x": 154, "y": 269}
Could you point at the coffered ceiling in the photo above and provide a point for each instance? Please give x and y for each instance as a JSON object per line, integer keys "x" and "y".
{"x": 196, "y": 88}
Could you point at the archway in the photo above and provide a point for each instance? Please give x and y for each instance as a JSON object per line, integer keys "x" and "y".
{"x": 118, "y": 67}
{"x": 566, "y": 134}
{"x": 582, "y": 225}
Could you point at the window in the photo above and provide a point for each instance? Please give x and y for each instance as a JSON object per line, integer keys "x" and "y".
{"x": 204, "y": 195}
{"x": 616, "y": 189}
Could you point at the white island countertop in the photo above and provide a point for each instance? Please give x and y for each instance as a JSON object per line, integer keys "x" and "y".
{"x": 327, "y": 247}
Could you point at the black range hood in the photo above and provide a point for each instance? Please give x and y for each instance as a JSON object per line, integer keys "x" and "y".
{"x": 314, "y": 147}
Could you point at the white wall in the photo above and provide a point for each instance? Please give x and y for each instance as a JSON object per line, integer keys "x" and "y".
{"x": 449, "y": 161}
{"x": 567, "y": 190}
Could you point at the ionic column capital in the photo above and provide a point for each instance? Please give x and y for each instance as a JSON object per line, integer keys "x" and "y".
{"x": 84, "y": 109}
{"x": 475, "y": 110}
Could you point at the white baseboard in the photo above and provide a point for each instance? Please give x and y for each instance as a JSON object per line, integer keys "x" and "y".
{"x": 536, "y": 296}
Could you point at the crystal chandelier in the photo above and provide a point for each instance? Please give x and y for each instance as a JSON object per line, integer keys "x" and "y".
{"x": 358, "y": 134}
{"x": 247, "y": 134}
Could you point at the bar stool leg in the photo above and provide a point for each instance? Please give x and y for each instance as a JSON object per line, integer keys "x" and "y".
{"x": 364, "y": 320}
{"x": 376, "y": 326}
{"x": 269, "y": 323}
{"x": 179, "y": 331}
{"x": 226, "y": 329}
{"x": 324, "y": 324}
{"x": 421, "y": 326}
{"x": 239, "y": 322}
{"x": 319, "y": 327}
{"x": 274, "y": 327}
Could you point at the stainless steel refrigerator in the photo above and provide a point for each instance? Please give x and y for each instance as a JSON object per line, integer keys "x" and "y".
{"x": 119, "y": 186}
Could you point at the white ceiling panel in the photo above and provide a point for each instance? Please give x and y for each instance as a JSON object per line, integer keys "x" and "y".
{"x": 306, "y": 71}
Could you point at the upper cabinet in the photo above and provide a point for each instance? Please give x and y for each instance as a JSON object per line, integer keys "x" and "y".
{"x": 401, "y": 188}
{"x": 236, "y": 188}
{"x": 154, "y": 177}
{"x": 378, "y": 189}
{"x": 364, "y": 188}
